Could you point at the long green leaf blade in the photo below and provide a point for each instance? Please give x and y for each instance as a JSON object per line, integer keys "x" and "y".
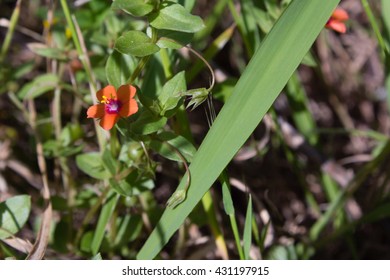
{"x": 105, "y": 215}
{"x": 265, "y": 76}
{"x": 247, "y": 236}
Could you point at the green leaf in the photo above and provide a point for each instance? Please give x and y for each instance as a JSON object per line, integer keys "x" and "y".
{"x": 166, "y": 143}
{"x": 133, "y": 184}
{"x": 129, "y": 228}
{"x": 136, "y": 43}
{"x": 53, "y": 148}
{"x": 14, "y": 213}
{"x": 121, "y": 187}
{"x": 71, "y": 133}
{"x": 173, "y": 16}
{"x": 39, "y": 86}
{"x": 248, "y": 229}
{"x": 109, "y": 162}
{"x": 224, "y": 90}
{"x": 136, "y": 8}
{"x": 86, "y": 240}
{"x": 92, "y": 164}
{"x": 280, "y": 252}
{"x": 97, "y": 257}
{"x": 119, "y": 68}
{"x": 45, "y": 51}
{"x": 227, "y": 198}
{"x": 104, "y": 217}
{"x": 267, "y": 73}
{"x": 132, "y": 154}
{"x": 169, "y": 39}
{"x": 171, "y": 94}
{"x": 147, "y": 123}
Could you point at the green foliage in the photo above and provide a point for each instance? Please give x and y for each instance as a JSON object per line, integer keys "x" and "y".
{"x": 136, "y": 8}
{"x": 119, "y": 68}
{"x": 104, "y": 217}
{"x": 14, "y": 213}
{"x": 173, "y": 147}
{"x": 251, "y": 99}
{"x": 92, "y": 164}
{"x": 175, "y": 17}
{"x": 45, "y": 51}
{"x": 168, "y": 39}
{"x": 40, "y": 85}
{"x": 247, "y": 236}
{"x": 136, "y": 43}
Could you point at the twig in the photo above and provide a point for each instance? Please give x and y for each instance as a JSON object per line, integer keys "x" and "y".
{"x": 39, "y": 248}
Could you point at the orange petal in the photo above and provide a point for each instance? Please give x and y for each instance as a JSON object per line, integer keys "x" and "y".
{"x": 108, "y": 91}
{"x": 96, "y": 111}
{"x": 129, "y": 108}
{"x": 340, "y": 15}
{"x": 108, "y": 121}
{"x": 336, "y": 26}
{"x": 126, "y": 92}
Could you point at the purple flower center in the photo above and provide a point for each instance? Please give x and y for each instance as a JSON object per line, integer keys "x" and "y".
{"x": 113, "y": 106}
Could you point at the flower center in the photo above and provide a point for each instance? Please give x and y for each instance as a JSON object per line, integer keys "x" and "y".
{"x": 113, "y": 106}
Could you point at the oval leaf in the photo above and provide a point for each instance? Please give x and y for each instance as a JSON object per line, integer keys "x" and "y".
{"x": 171, "y": 94}
{"x": 147, "y": 123}
{"x": 45, "y": 51}
{"x": 119, "y": 68}
{"x": 14, "y": 213}
{"x": 173, "y": 16}
{"x": 136, "y": 43}
{"x": 92, "y": 165}
{"x": 136, "y": 8}
{"x": 39, "y": 86}
{"x": 169, "y": 39}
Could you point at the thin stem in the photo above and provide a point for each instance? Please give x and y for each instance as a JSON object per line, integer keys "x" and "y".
{"x": 201, "y": 58}
{"x": 10, "y": 32}
{"x": 207, "y": 64}
{"x": 138, "y": 69}
{"x": 42, "y": 240}
{"x": 91, "y": 214}
{"x": 240, "y": 25}
{"x": 209, "y": 208}
{"x": 184, "y": 161}
{"x": 375, "y": 26}
{"x": 83, "y": 56}
{"x": 166, "y": 63}
{"x": 233, "y": 223}
{"x": 357, "y": 181}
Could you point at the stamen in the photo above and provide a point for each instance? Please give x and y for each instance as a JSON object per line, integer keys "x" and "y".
{"x": 105, "y": 100}
{"x": 113, "y": 106}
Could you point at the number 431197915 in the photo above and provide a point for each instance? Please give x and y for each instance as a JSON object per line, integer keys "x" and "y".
{"x": 243, "y": 270}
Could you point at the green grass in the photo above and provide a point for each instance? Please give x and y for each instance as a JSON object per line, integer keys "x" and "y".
{"x": 265, "y": 76}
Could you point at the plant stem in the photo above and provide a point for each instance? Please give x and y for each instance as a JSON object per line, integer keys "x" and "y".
{"x": 83, "y": 56}
{"x": 42, "y": 240}
{"x": 10, "y": 32}
{"x": 375, "y": 26}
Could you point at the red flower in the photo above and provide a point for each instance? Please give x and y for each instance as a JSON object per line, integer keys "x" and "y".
{"x": 336, "y": 21}
{"x": 113, "y": 105}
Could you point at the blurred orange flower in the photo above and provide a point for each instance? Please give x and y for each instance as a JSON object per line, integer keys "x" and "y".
{"x": 113, "y": 105}
{"x": 336, "y": 21}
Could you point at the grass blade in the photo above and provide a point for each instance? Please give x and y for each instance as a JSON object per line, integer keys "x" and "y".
{"x": 247, "y": 236}
{"x": 105, "y": 215}
{"x": 265, "y": 76}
